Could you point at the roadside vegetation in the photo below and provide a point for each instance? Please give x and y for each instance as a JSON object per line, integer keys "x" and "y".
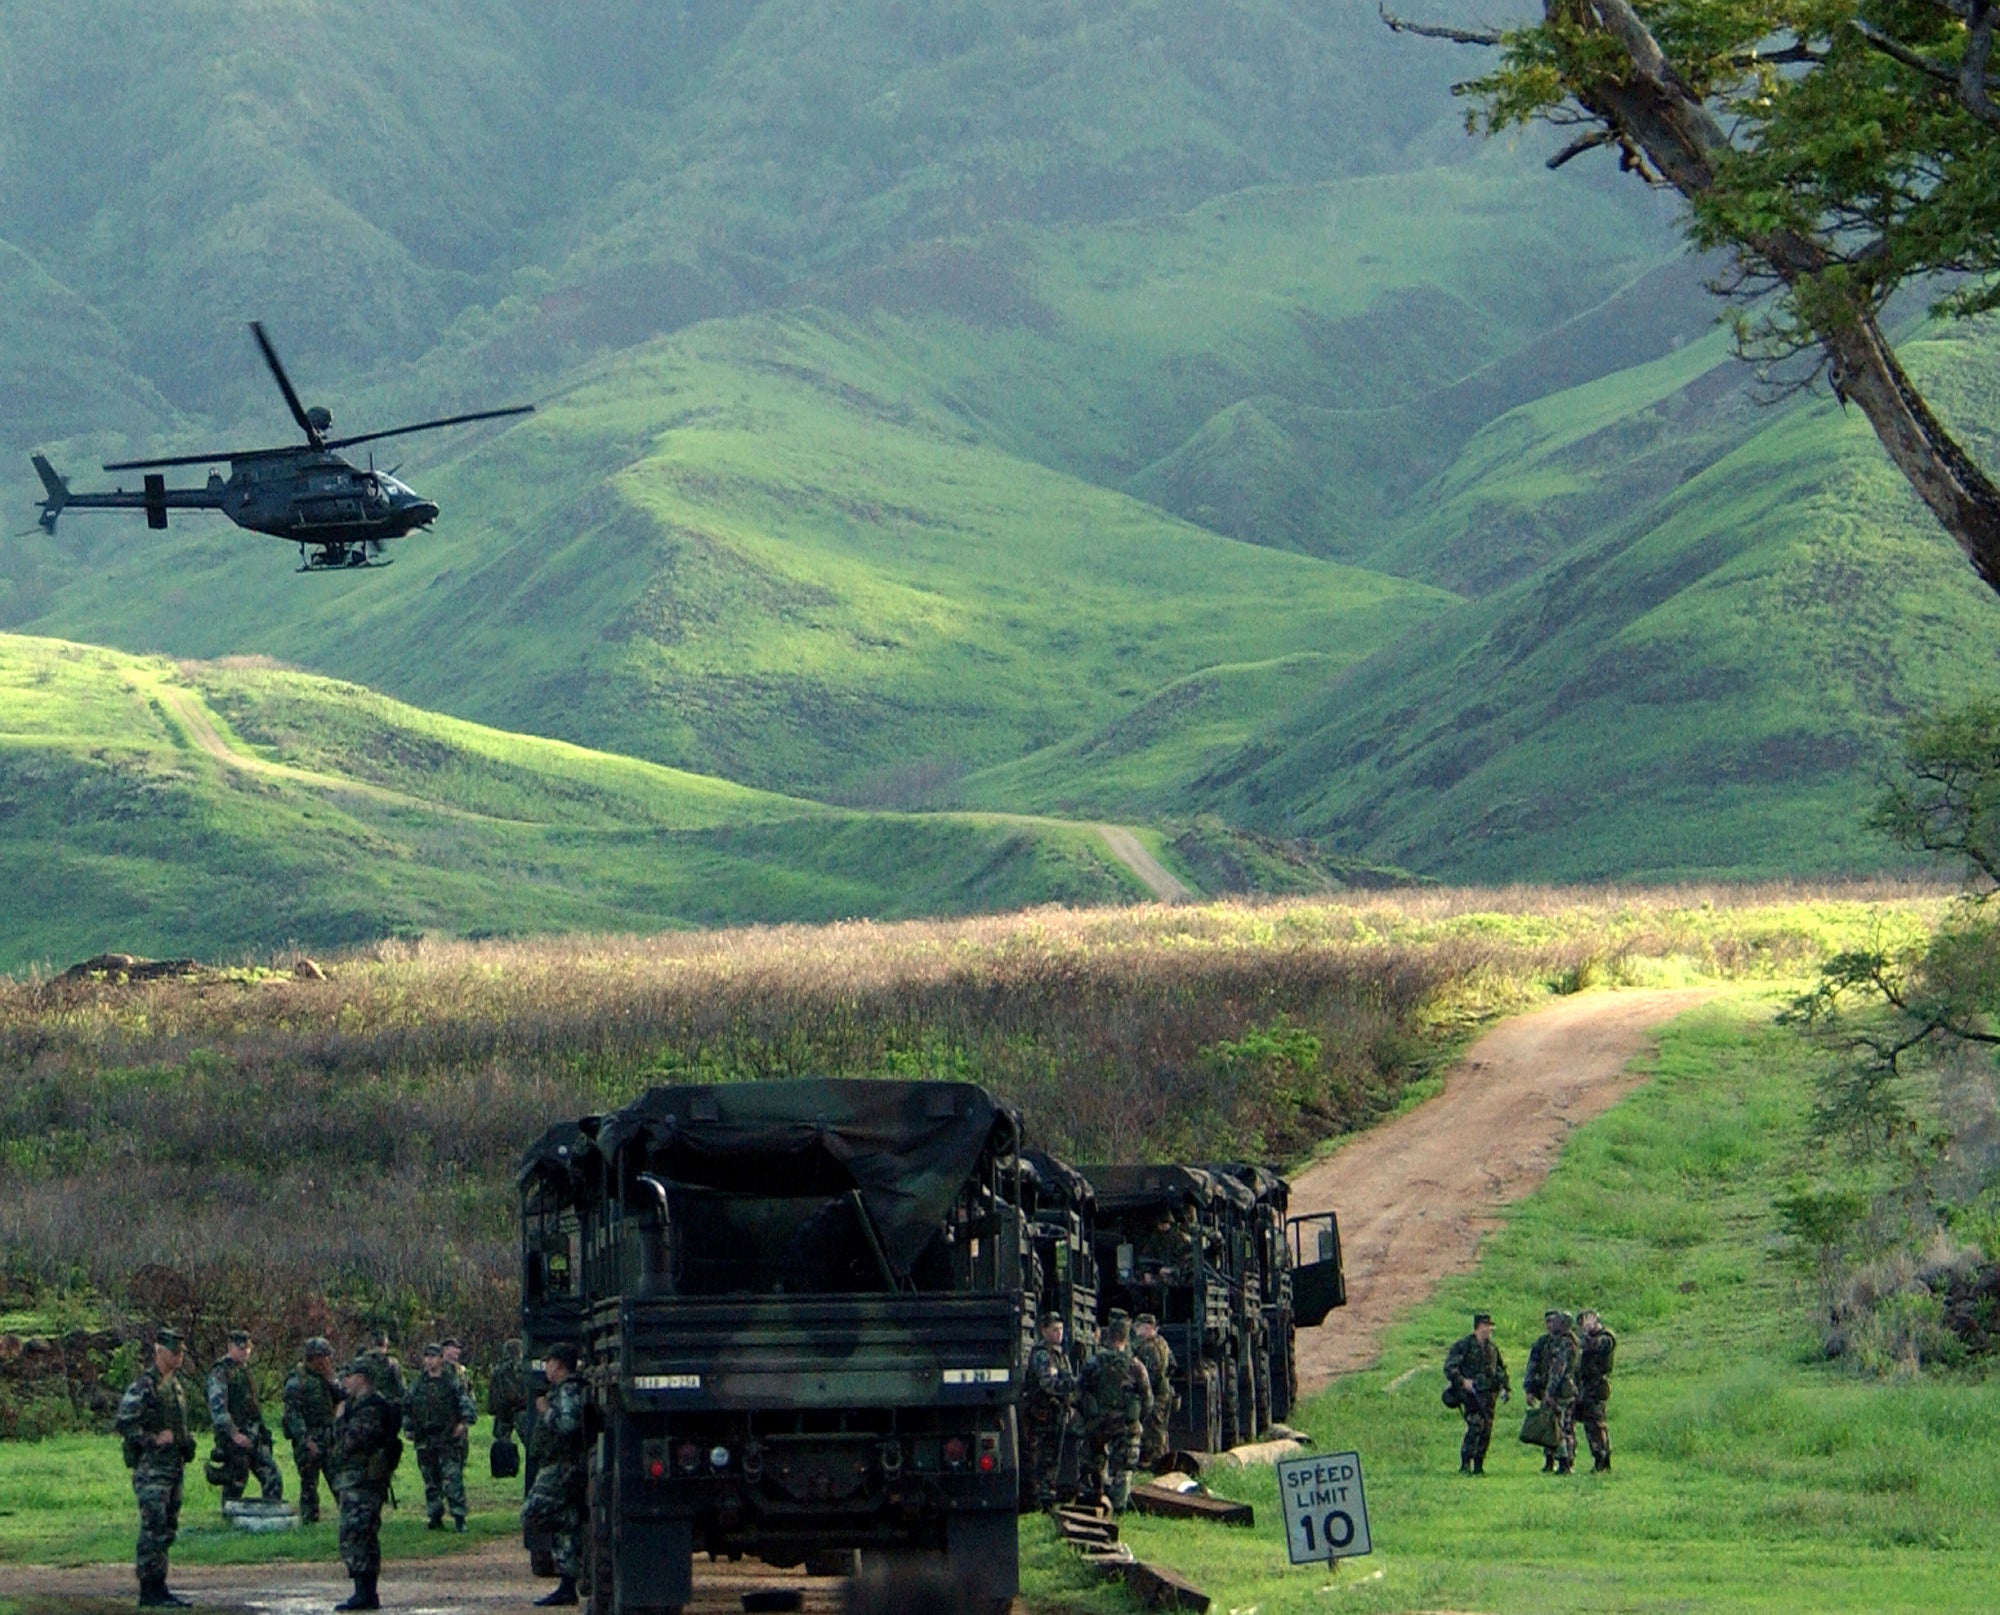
{"x": 308, "y": 1155}
{"x": 1749, "y": 1472}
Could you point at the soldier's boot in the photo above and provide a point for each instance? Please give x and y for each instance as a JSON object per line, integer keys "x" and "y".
{"x": 565, "y": 1593}
{"x": 458, "y": 1523}
{"x": 363, "y": 1596}
{"x": 171, "y": 1599}
{"x": 436, "y": 1523}
{"x": 1479, "y": 1466}
{"x": 1563, "y": 1468}
{"x": 152, "y": 1592}
{"x": 1549, "y": 1461}
{"x": 1465, "y": 1466}
{"x": 1600, "y": 1463}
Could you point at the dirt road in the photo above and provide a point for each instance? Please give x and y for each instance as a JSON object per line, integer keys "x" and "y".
{"x": 485, "y": 1581}
{"x": 1418, "y": 1194}
{"x": 1131, "y": 852}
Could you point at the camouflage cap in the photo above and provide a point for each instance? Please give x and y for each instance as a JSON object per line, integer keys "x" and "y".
{"x": 511, "y": 1348}
{"x": 1481, "y": 1317}
{"x": 452, "y": 1343}
{"x": 318, "y": 1346}
{"x": 1118, "y": 1315}
{"x": 1563, "y": 1324}
{"x": 1146, "y": 1319}
{"x": 239, "y": 1337}
{"x": 1051, "y": 1316}
{"x": 361, "y": 1366}
{"x": 171, "y": 1339}
{"x": 1552, "y": 1314}
{"x": 433, "y": 1349}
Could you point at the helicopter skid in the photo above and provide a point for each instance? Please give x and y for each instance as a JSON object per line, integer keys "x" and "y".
{"x": 344, "y": 566}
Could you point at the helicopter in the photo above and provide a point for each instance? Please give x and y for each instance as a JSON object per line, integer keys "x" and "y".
{"x": 338, "y": 514}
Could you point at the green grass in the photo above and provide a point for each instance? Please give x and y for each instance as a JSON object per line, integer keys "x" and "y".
{"x": 1747, "y": 1474}
{"x": 67, "y": 1500}
{"x": 381, "y": 820}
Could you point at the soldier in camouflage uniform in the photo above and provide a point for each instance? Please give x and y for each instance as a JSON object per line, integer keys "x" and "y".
{"x": 1593, "y": 1381}
{"x": 366, "y": 1448}
{"x": 388, "y": 1372}
{"x": 1475, "y": 1381}
{"x": 555, "y": 1501}
{"x": 1047, "y": 1401}
{"x": 438, "y": 1416}
{"x": 242, "y": 1444}
{"x": 507, "y": 1391}
{"x": 311, "y": 1395}
{"x": 1151, "y": 1349}
{"x": 1116, "y": 1397}
{"x": 1551, "y": 1378}
{"x": 152, "y": 1420}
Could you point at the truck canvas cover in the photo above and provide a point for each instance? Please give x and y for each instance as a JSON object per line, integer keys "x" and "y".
{"x": 742, "y": 1157}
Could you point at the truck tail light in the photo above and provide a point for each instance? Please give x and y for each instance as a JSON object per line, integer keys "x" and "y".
{"x": 954, "y": 1453}
{"x": 687, "y": 1457}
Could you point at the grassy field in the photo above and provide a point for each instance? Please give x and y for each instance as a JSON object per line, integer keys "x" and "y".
{"x": 1747, "y": 1474}
{"x": 335, "y": 1152}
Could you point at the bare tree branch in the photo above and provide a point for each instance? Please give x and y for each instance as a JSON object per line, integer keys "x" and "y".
{"x": 1583, "y": 143}
{"x": 1434, "y": 30}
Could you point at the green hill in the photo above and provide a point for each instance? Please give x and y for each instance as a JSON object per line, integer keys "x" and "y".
{"x": 1152, "y": 412}
{"x": 225, "y": 809}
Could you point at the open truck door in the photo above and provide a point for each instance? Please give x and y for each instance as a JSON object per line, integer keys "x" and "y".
{"x": 1319, "y": 1283}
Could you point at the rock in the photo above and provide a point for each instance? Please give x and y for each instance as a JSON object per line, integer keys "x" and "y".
{"x": 307, "y": 970}
{"x": 129, "y": 967}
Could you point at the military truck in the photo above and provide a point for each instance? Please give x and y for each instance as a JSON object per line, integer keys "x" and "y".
{"x": 1299, "y": 1279}
{"x": 802, "y": 1314}
{"x": 1161, "y": 1249}
{"x": 1061, "y": 1208}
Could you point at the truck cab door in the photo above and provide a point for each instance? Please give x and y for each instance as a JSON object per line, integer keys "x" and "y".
{"x": 1319, "y": 1283}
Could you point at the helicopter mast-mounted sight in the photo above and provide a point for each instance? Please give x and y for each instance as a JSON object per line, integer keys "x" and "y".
{"x": 340, "y": 515}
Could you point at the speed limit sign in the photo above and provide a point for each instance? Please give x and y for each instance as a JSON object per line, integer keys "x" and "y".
{"x": 1326, "y": 1515}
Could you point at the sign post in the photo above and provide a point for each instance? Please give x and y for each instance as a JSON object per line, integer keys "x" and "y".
{"x": 1326, "y": 1514}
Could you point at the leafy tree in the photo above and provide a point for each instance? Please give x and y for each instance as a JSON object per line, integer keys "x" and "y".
{"x": 1840, "y": 149}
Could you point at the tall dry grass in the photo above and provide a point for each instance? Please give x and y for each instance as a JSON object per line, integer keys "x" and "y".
{"x": 317, "y": 1154}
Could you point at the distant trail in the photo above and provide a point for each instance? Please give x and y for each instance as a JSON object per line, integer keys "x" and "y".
{"x": 1126, "y": 848}
{"x": 1418, "y": 1194}
{"x": 187, "y": 710}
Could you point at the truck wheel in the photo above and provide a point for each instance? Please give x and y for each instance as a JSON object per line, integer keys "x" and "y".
{"x": 983, "y": 1555}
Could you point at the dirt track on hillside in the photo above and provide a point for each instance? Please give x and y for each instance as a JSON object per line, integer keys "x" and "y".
{"x": 1417, "y": 1195}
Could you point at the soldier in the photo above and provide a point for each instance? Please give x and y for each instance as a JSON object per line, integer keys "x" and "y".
{"x": 1152, "y": 1350}
{"x": 1047, "y": 1403}
{"x": 1593, "y": 1381}
{"x": 1116, "y": 1396}
{"x": 366, "y": 1450}
{"x": 439, "y": 1414}
{"x": 388, "y": 1374}
{"x": 1475, "y": 1380}
{"x": 555, "y": 1501}
{"x": 506, "y": 1391}
{"x": 311, "y": 1395}
{"x": 1551, "y": 1378}
{"x": 242, "y": 1444}
{"x": 153, "y": 1421}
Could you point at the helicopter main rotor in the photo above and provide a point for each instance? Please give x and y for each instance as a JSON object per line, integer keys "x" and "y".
{"x": 314, "y": 422}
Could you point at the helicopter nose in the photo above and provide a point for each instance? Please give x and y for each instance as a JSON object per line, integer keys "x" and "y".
{"x": 421, "y": 512}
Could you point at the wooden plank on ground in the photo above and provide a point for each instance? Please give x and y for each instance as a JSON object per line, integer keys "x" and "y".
{"x": 1175, "y": 1505}
{"x": 1157, "y": 1587}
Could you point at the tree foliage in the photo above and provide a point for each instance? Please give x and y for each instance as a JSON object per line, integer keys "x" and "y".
{"x": 1840, "y": 149}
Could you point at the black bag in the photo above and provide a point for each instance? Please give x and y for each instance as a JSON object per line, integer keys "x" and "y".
{"x": 504, "y": 1459}
{"x": 1452, "y": 1395}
